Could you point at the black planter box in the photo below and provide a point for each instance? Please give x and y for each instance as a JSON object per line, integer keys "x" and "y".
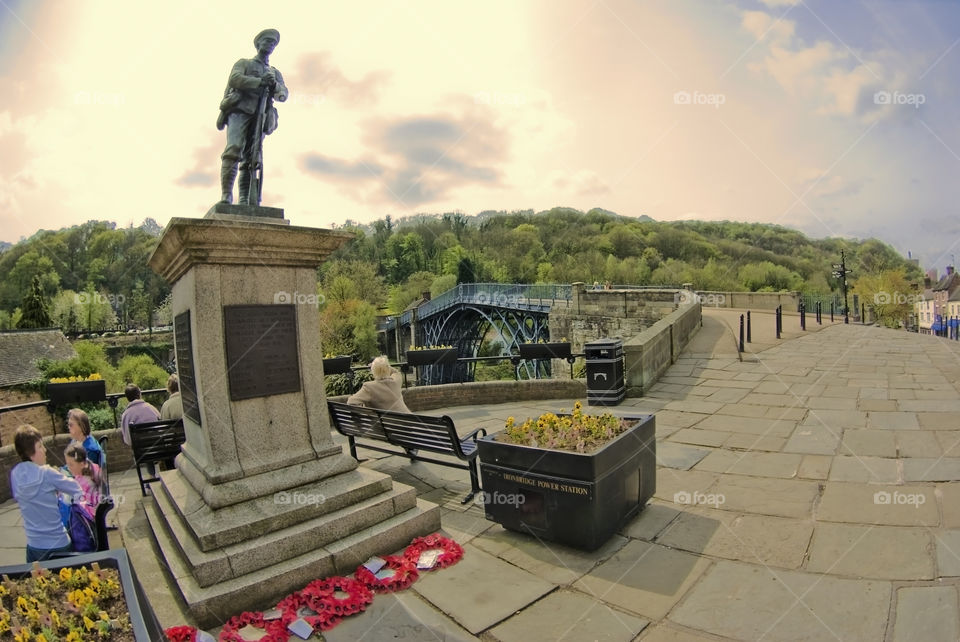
{"x": 439, "y": 356}
{"x": 556, "y": 350}
{"x": 61, "y": 394}
{"x": 146, "y": 627}
{"x": 337, "y": 365}
{"x": 577, "y": 499}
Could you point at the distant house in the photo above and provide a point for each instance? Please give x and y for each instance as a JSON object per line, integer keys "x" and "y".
{"x": 20, "y": 349}
{"x": 942, "y": 291}
{"x": 924, "y": 310}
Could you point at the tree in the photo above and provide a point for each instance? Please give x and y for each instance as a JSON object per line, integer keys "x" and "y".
{"x": 36, "y": 313}
{"x": 890, "y": 295}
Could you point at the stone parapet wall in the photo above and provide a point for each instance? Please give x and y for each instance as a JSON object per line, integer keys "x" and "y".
{"x": 749, "y": 300}
{"x": 648, "y": 355}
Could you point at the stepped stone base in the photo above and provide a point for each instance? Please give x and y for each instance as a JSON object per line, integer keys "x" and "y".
{"x": 363, "y": 513}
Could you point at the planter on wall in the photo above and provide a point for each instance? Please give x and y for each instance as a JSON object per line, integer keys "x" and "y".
{"x": 577, "y": 499}
{"x": 432, "y": 357}
{"x": 557, "y": 350}
{"x": 146, "y": 627}
{"x": 337, "y": 365}
{"x": 62, "y": 394}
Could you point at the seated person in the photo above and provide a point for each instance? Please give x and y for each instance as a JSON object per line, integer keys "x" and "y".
{"x": 34, "y": 486}
{"x": 78, "y": 425}
{"x": 138, "y": 411}
{"x": 87, "y": 475}
{"x": 172, "y": 408}
{"x": 383, "y": 392}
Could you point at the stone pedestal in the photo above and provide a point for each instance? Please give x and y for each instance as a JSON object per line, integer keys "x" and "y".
{"x": 262, "y": 501}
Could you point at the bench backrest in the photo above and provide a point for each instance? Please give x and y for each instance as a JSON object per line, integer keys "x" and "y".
{"x": 421, "y": 432}
{"x": 356, "y": 421}
{"x": 156, "y": 440}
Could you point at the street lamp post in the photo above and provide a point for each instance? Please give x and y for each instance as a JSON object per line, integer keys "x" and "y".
{"x": 840, "y": 271}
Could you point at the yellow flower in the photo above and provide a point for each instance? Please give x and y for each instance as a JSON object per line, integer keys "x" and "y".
{"x": 22, "y": 605}
{"x": 74, "y": 636}
{"x": 87, "y": 622}
{"x": 66, "y": 574}
{"x": 41, "y": 637}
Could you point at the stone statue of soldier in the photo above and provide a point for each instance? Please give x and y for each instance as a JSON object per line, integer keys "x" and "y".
{"x": 238, "y": 113}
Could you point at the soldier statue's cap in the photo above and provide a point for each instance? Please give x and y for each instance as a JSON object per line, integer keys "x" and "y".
{"x": 266, "y": 32}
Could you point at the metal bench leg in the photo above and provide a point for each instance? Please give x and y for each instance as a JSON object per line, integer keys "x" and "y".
{"x": 474, "y": 483}
{"x": 353, "y": 448}
{"x": 143, "y": 486}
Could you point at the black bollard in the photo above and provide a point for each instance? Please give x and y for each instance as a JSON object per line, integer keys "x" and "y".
{"x": 748, "y": 327}
{"x": 831, "y": 312}
{"x": 741, "y": 333}
{"x": 777, "y": 322}
{"x": 803, "y": 316}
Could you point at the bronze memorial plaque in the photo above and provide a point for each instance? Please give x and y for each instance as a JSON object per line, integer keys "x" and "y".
{"x": 183, "y": 346}
{"x": 262, "y": 356}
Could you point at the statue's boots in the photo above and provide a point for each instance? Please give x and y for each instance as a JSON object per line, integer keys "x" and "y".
{"x": 228, "y": 172}
{"x": 244, "y": 185}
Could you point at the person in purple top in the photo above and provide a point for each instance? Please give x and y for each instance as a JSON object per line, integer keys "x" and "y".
{"x": 35, "y": 486}
{"x": 138, "y": 411}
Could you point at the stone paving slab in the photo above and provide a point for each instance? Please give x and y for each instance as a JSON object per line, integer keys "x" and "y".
{"x": 644, "y": 578}
{"x": 876, "y": 552}
{"x": 753, "y": 426}
{"x": 757, "y": 539}
{"x": 673, "y": 455}
{"x": 700, "y": 437}
{"x": 745, "y": 441}
{"x": 651, "y": 521}
{"x": 948, "y": 553}
{"x": 950, "y": 498}
{"x": 557, "y": 564}
{"x": 573, "y": 616}
{"x": 398, "y": 616}
{"x": 762, "y": 496}
{"x": 926, "y": 613}
{"x": 917, "y": 469}
{"x": 892, "y": 421}
{"x": 480, "y": 590}
{"x": 837, "y": 420}
{"x": 814, "y": 440}
{"x": 814, "y": 467}
{"x": 917, "y": 443}
{"x": 882, "y": 505}
{"x": 869, "y": 443}
{"x": 748, "y": 602}
{"x": 671, "y": 481}
{"x": 938, "y": 420}
{"x": 754, "y": 464}
{"x": 667, "y": 633}
{"x": 872, "y": 470}
{"x": 949, "y": 442}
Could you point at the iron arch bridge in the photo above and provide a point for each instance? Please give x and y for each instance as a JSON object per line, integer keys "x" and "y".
{"x": 462, "y": 316}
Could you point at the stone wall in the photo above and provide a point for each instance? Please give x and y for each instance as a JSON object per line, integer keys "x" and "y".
{"x": 595, "y": 314}
{"x": 749, "y": 300}
{"x": 648, "y": 355}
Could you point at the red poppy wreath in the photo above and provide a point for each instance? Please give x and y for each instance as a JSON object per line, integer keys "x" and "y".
{"x": 321, "y": 596}
{"x": 449, "y": 551}
{"x": 274, "y": 630}
{"x": 404, "y": 574}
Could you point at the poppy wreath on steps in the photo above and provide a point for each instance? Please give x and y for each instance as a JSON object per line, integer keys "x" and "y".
{"x": 404, "y": 574}
{"x": 181, "y": 634}
{"x": 450, "y": 551}
{"x": 291, "y": 606}
{"x": 321, "y": 596}
{"x": 274, "y": 630}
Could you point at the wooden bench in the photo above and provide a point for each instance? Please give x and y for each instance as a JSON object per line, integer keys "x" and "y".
{"x": 411, "y": 433}
{"x": 154, "y": 442}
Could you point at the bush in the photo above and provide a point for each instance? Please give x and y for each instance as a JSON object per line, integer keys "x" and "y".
{"x": 141, "y": 370}
{"x": 101, "y": 418}
{"x": 343, "y": 384}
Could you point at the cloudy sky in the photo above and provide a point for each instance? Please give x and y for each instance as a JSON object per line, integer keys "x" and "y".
{"x": 838, "y": 118}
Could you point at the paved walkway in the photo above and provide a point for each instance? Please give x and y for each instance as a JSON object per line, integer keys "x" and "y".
{"x": 806, "y": 492}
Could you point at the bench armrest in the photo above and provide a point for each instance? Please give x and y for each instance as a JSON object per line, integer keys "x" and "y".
{"x": 473, "y": 435}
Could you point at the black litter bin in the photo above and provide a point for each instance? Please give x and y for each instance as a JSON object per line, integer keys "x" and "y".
{"x": 605, "y": 383}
